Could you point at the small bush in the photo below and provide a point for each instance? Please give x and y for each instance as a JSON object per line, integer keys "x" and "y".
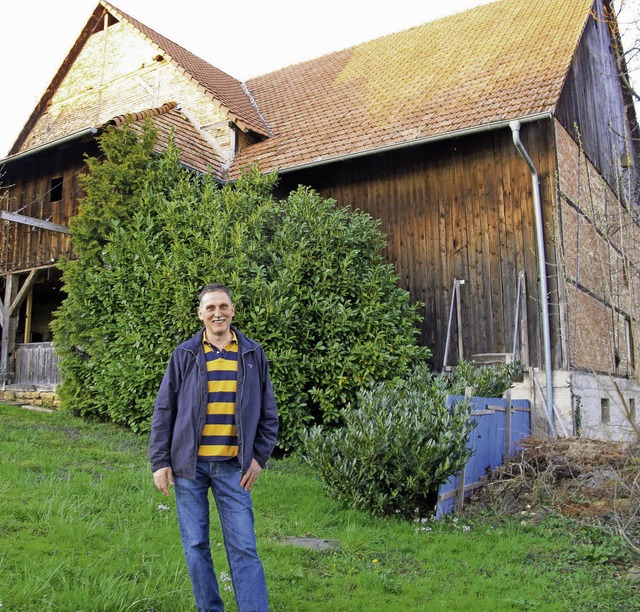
{"x": 402, "y": 442}
{"x": 484, "y": 381}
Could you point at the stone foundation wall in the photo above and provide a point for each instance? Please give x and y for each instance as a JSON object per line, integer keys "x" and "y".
{"x": 606, "y": 406}
{"x": 46, "y": 399}
{"x": 590, "y": 405}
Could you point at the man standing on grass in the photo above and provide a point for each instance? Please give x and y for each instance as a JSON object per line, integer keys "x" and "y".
{"x": 214, "y": 426}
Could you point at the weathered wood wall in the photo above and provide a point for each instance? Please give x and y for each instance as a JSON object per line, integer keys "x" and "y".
{"x": 27, "y": 191}
{"x": 36, "y": 365}
{"x": 594, "y": 108}
{"x": 459, "y": 209}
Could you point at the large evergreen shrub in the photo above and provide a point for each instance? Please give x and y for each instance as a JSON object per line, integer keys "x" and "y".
{"x": 307, "y": 277}
{"x": 401, "y": 441}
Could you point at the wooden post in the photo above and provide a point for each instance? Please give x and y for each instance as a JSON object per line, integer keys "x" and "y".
{"x": 27, "y": 317}
{"x": 462, "y": 474}
{"x": 507, "y": 429}
{"x": 535, "y": 428}
{"x": 524, "y": 344}
{"x": 9, "y": 329}
{"x": 460, "y": 490}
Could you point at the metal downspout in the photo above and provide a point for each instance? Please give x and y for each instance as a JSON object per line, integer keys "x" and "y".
{"x": 542, "y": 264}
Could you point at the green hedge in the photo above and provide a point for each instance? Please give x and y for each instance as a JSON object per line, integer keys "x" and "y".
{"x": 307, "y": 277}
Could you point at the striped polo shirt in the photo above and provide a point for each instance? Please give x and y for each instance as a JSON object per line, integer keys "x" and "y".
{"x": 219, "y": 436}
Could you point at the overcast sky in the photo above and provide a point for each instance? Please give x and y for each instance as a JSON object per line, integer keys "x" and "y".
{"x": 245, "y": 38}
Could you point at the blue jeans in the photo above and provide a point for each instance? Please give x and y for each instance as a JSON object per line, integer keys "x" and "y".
{"x": 236, "y": 518}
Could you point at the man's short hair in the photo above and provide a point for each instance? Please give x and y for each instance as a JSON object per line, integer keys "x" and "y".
{"x": 214, "y": 287}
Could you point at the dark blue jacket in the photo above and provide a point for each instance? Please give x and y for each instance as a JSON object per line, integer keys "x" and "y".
{"x": 181, "y": 408}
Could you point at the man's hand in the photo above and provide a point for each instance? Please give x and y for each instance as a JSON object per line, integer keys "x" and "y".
{"x": 251, "y": 476}
{"x": 162, "y": 478}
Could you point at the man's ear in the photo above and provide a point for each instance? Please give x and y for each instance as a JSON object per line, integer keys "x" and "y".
{"x": 200, "y": 315}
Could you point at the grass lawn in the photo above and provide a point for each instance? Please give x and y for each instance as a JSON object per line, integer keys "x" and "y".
{"x": 83, "y": 528}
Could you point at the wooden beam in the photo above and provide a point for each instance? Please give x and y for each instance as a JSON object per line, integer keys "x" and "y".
{"x": 9, "y": 329}
{"x": 461, "y": 475}
{"x": 28, "y": 317}
{"x": 34, "y": 222}
{"x": 17, "y": 301}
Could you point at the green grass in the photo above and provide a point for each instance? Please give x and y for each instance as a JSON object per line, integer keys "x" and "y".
{"x": 83, "y": 528}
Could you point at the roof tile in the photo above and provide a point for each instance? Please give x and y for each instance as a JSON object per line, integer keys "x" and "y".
{"x": 500, "y": 61}
{"x": 195, "y": 151}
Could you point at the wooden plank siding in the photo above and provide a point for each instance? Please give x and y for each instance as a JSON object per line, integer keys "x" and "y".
{"x": 37, "y": 365}
{"x": 459, "y": 209}
{"x": 27, "y": 191}
{"x": 453, "y": 209}
{"x": 593, "y": 105}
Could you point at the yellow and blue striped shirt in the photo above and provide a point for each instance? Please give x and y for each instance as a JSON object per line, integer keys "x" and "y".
{"x": 219, "y": 436}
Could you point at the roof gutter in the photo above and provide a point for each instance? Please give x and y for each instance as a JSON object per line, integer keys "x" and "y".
{"x": 478, "y": 129}
{"x": 50, "y": 145}
{"x": 542, "y": 263}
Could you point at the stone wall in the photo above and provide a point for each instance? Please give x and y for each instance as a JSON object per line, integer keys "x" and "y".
{"x": 605, "y": 406}
{"x": 586, "y": 404}
{"x": 45, "y": 399}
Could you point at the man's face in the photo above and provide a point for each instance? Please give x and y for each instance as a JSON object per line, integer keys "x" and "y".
{"x": 216, "y": 312}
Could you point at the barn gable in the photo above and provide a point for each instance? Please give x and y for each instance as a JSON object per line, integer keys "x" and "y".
{"x": 595, "y": 106}
{"x": 119, "y": 66}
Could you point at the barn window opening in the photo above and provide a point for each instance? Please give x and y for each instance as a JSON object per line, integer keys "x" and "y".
{"x": 605, "y": 410}
{"x": 56, "y": 189}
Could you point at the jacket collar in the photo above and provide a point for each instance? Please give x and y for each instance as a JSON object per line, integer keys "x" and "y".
{"x": 244, "y": 344}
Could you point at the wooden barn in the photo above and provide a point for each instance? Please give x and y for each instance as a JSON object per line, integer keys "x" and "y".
{"x": 498, "y": 147}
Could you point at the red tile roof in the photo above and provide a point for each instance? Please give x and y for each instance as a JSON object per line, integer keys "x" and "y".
{"x": 218, "y": 84}
{"x": 195, "y": 151}
{"x": 500, "y": 61}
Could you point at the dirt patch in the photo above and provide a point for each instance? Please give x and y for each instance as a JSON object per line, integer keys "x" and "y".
{"x": 318, "y": 544}
{"x": 586, "y": 479}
